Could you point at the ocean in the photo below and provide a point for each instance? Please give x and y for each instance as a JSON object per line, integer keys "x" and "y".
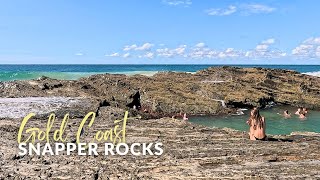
{"x": 73, "y": 72}
{"x": 276, "y": 124}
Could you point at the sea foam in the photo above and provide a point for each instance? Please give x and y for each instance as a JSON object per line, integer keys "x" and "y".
{"x": 316, "y": 73}
{"x": 20, "y": 107}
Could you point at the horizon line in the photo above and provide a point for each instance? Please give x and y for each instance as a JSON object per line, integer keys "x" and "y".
{"x": 176, "y": 64}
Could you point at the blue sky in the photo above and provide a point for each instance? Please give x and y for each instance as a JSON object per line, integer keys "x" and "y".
{"x": 159, "y": 31}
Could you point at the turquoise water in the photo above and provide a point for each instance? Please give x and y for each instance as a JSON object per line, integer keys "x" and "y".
{"x": 276, "y": 123}
{"x": 72, "y": 72}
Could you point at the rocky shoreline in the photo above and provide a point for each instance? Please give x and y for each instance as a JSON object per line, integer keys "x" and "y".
{"x": 190, "y": 151}
{"x": 217, "y": 90}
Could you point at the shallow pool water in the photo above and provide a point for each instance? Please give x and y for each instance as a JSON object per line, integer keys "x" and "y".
{"x": 276, "y": 123}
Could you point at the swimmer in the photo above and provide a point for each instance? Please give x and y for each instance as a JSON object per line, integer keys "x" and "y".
{"x": 305, "y": 110}
{"x": 302, "y": 115}
{"x": 298, "y": 111}
{"x": 286, "y": 114}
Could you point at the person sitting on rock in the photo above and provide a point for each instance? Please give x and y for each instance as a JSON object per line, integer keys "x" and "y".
{"x": 298, "y": 111}
{"x": 286, "y": 114}
{"x": 257, "y": 125}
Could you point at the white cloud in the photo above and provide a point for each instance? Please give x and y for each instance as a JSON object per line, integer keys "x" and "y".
{"x": 262, "y": 47}
{"x": 185, "y": 3}
{"x": 222, "y": 12}
{"x": 268, "y": 41}
{"x": 79, "y": 54}
{"x": 200, "y": 45}
{"x": 113, "y": 55}
{"x": 318, "y": 51}
{"x": 180, "y": 50}
{"x": 263, "y": 50}
{"x": 129, "y": 48}
{"x": 309, "y": 48}
{"x": 126, "y": 55}
{"x": 248, "y": 9}
{"x": 145, "y": 46}
{"x": 303, "y": 50}
{"x": 166, "y": 52}
{"x": 231, "y": 52}
{"x": 312, "y": 40}
{"x": 149, "y": 55}
{"x": 265, "y": 54}
{"x": 244, "y": 9}
{"x": 200, "y": 53}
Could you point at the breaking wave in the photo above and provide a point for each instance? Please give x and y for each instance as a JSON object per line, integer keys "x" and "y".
{"x": 316, "y": 73}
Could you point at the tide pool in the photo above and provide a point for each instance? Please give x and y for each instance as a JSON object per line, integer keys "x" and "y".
{"x": 276, "y": 123}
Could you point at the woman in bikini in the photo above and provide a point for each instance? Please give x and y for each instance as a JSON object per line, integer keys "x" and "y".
{"x": 257, "y": 125}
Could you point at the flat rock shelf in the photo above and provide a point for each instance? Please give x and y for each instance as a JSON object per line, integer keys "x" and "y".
{"x": 190, "y": 152}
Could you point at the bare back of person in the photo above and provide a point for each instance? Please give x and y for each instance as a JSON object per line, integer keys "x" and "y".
{"x": 259, "y": 133}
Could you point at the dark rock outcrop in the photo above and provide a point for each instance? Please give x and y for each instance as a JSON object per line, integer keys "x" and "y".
{"x": 210, "y": 91}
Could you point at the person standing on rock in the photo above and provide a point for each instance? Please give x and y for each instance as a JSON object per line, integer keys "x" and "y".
{"x": 257, "y": 125}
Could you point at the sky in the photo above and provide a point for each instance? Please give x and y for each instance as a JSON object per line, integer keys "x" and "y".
{"x": 159, "y": 32}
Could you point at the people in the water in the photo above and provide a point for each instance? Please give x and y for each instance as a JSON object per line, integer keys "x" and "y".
{"x": 286, "y": 114}
{"x": 184, "y": 116}
{"x": 305, "y": 110}
{"x": 298, "y": 111}
{"x": 302, "y": 115}
{"x": 301, "y": 112}
{"x": 257, "y": 125}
